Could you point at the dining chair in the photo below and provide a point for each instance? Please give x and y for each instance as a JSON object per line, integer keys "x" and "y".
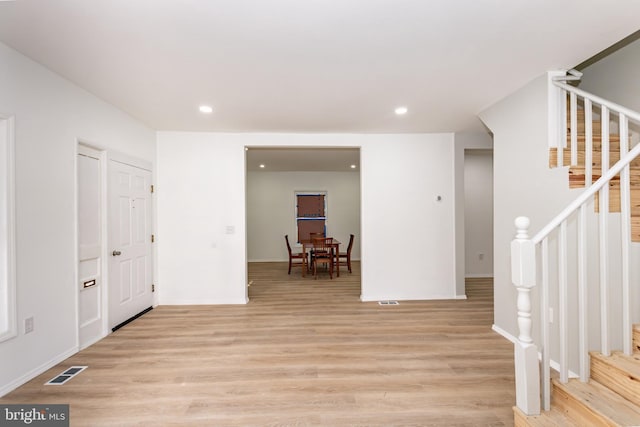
{"x": 323, "y": 255}
{"x": 346, "y": 255}
{"x": 315, "y": 235}
{"x": 312, "y": 236}
{"x": 293, "y": 256}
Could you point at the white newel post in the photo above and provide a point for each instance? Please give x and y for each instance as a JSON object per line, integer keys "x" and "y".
{"x": 523, "y": 277}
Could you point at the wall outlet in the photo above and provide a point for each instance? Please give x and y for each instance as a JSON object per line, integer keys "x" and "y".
{"x": 28, "y": 325}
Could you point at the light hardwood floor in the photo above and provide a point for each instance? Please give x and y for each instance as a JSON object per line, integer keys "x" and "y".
{"x": 302, "y": 352}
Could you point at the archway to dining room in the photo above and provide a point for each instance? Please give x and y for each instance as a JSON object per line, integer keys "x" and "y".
{"x": 278, "y": 179}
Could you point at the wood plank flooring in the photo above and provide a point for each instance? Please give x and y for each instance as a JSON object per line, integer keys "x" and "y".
{"x": 302, "y": 352}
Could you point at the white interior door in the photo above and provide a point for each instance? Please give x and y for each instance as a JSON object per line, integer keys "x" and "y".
{"x": 130, "y": 266}
{"x": 90, "y": 277}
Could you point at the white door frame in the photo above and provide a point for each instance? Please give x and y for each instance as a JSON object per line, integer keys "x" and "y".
{"x": 105, "y": 156}
{"x": 101, "y": 154}
{"x": 8, "y": 304}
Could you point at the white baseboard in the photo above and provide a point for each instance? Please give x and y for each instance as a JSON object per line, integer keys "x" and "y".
{"x": 552, "y": 363}
{"x": 37, "y": 371}
{"x": 504, "y": 333}
{"x": 229, "y": 301}
{"x": 478, "y": 276}
{"x": 463, "y": 296}
{"x": 90, "y": 343}
{"x": 369, "y": 298}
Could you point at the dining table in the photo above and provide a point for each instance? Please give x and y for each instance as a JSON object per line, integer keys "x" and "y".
{"x": 307, "y": 245}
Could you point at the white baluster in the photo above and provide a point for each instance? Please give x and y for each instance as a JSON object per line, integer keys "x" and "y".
{"x": 625, "y": 231}
{"x": 563, "y": 303}
{"x": 574, "y": 128}
{"x": 603, "y": 220}
{"x": 523, "y": 276}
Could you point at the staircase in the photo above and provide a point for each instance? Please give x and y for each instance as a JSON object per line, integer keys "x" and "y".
{"x": 610, "y": 398}
{"x": 577, "y": 176}
{"x": 581, "y": 265}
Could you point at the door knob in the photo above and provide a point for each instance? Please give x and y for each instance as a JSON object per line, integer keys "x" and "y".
{"x": 116, "y": 253}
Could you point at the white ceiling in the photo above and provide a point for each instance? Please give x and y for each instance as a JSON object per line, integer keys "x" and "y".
{"x": 310, "y": 65}
{"x": 303, "y": 159}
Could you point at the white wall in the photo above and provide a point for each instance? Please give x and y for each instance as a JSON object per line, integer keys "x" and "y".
{"x": 271, "y": 210}
{"x": 202, "y": 191}
{"x": 615, "y": 77}
{"x": 50, "y": 116}
{"x": 478, "y": 213}
{"x": 402, "y": 176}
{"x": 523, "y": 183}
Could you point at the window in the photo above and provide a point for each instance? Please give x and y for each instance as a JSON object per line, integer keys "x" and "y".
{"x": 7, "y": 251}
{"x": 311, "y": 214}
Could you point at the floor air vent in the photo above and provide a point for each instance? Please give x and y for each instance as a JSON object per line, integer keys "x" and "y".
{"x": 388, "y": 302}
{"x": 66, "y": 375}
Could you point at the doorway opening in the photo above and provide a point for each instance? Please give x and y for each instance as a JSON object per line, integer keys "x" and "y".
{"x": 275, "y": 177}
{"x": 478, "y": 213}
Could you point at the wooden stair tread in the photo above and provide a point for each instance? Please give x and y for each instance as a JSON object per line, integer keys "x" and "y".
{"x": 595, "y": 137}
{"x": 634, "y": 170}
{"x": 552, "y": 418}
{"x": 596, "y": 125}
{"x": 630, "y": 364}
{"x": 619, "y": 372}
{"x": 596, "y": 140}
{"x": 577, "y": 176}
{"x": 579, "y": 172}
{"x": 596, "y": 156}
{"x": 602, "y": 405}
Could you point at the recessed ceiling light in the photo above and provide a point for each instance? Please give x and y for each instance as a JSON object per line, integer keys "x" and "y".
{"x": 262, "y": 166}
{"x": 206, "y": 109}
{"x": 401, "y": 110}
{"x": 353, "y": 166}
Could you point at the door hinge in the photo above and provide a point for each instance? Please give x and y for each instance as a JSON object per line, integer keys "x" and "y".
{"x": 153, "y": 238}
{"x": 152, "y": 188}
{"x": 153, "y": 287}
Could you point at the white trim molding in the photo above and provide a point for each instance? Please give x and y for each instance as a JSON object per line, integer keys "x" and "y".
{"x": 8, "y": 312}
{"x": 205, "y": 301}
{"x": 37, "y": 371}
{"x": 504, "y": 333}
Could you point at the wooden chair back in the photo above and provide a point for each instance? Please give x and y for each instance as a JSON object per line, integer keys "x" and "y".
{"x": 296, "y": 258}
{"x": 322, "y": 254}
{"x": 344, "y": 258}
{"x": 313, "y": 236}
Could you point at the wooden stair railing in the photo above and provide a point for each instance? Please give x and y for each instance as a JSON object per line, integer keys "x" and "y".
{"x": 567, "y": 259}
